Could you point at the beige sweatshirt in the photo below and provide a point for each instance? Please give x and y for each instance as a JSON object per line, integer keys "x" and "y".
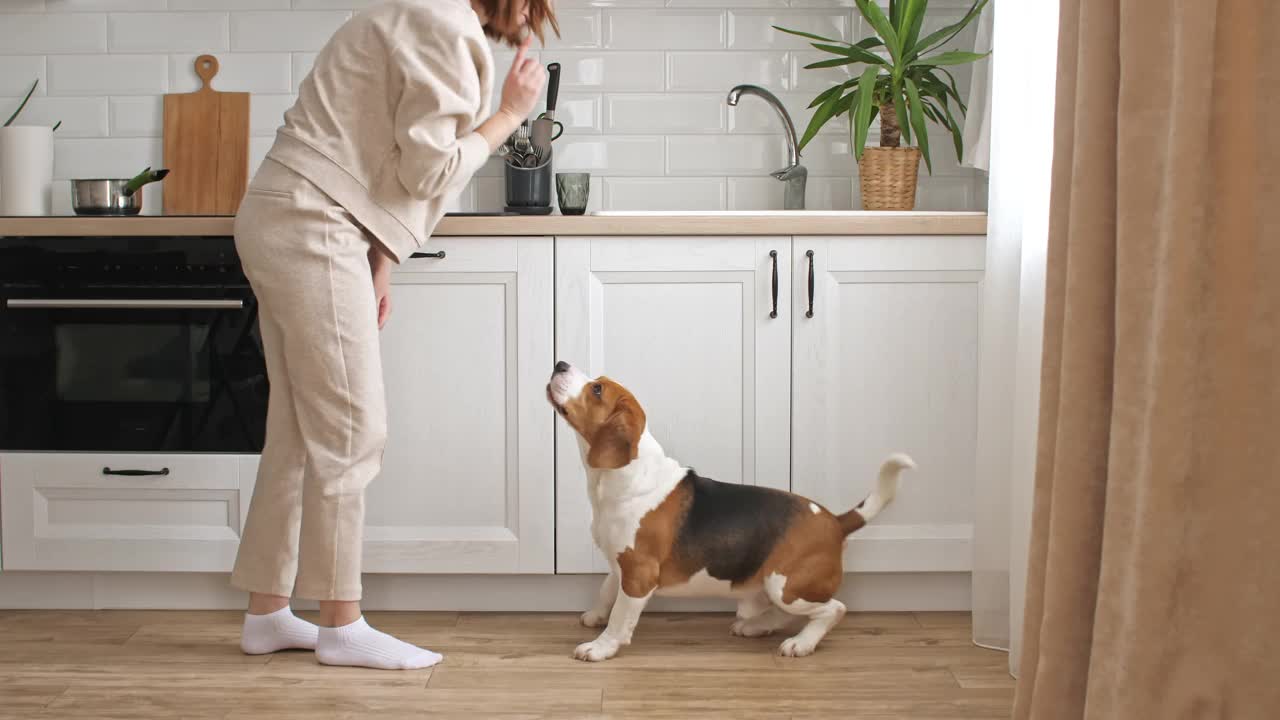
{"x": 385, "y": 122}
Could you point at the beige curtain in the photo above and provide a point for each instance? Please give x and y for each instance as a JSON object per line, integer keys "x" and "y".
{"x": 1153, "y": 587}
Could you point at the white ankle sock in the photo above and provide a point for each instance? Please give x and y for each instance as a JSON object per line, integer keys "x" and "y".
{"x": 359, "y": 645}
{"x": 280, "y": 630}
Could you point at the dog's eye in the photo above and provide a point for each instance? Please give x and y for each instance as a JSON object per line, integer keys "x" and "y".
{"x": 597, "y": 389}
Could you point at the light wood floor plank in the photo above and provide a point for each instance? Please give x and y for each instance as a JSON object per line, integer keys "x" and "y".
{"x": 143, "y": 665}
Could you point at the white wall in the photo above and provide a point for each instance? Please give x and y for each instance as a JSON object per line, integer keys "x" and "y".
{"x": 643, "y": 91}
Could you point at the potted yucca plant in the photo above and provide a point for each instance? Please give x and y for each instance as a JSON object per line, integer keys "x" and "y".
{"x": 904, "y": 82}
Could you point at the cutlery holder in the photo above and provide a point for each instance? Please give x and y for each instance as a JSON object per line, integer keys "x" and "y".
{"x": 529, "y": 189}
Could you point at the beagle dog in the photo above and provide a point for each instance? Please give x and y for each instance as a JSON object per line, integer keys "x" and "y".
{"x": 668, "y": 531}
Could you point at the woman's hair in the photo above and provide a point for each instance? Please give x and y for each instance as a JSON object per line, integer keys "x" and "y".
{"x": 504, "y": 23}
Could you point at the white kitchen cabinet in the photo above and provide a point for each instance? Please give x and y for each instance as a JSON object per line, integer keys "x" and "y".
{"x": 889, "y": 362}
{"x": 75, "y": 511}
{"x": 468, "y": 480}
{"x": 684, "y": 323}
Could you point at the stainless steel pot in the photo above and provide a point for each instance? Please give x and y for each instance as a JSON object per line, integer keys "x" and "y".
{"x": 104, "y": 197}
{"x": 112, "y": 196}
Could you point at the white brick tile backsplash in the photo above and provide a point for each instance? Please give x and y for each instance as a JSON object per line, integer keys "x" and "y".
{"x": 819, "y": 79}
{"x": 615, "y": 155}
{"x": 611, "y": 71}
{"x": 108, "y": 74}
{"x": 228, "y": 4}
{"x": 293, "y": 30}
{"x": 167, "y": 32}
{"x": 17, "y": 72}
{"x": 102, "y": 5}
{"x": 664, "y": 29}
{"x": 333, "y": 4}
{"x": 237, "y": 72}
{"x": 719, "y": 71}
{"x": 47, "y": 33}
{"x": 642, "y": 93}
{"x": 21, "y": 6}
{"x": 104, "y": 157}
{"x": 302, "y": 62}
{"x": 578, "y": 29}
{"x": 765, "y": 193}
{"x": 81, "y": 117}
{"x": 664, "y": 193}
{"x": 664, "y": 113}
{"x": 258, "y": 147}
{"x": 266, "y": 113}
{"x": 753, "y": 29}
{"x": 753, "y": 115}
{"x": 141, "y": 116}
{"x": 579, "y": 112}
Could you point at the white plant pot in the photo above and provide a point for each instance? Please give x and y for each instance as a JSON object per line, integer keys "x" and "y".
{"x": 26, "y": 170}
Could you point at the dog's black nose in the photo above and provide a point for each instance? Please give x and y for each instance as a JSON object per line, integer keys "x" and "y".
{"x": 562, "y": 366}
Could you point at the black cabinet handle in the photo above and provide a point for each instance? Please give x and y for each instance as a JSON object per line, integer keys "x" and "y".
{"x": 809, "y": 254}
{"x": 437, "y": 255}
{"x": 135, "y": 473}
{"x": 774, "y": 254}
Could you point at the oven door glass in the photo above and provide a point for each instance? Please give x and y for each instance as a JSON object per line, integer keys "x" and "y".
{"x": 128, "y": 375}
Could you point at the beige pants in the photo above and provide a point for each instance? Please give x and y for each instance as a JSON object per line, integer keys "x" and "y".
{"x": 307, "y": 260}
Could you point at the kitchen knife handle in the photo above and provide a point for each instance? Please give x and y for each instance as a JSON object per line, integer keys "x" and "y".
{"x": 553, "y": 87}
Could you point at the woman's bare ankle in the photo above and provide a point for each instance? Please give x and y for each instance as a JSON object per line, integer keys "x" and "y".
{"x": 337, "y": 613}
{"x": 261, "y": 604}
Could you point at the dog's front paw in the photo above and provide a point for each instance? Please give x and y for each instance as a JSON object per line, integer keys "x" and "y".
{"x": 594, "y": 619}
{"x": 596, "y": 650}
{"x": 748, "y": 629}
{"x": 795, "y": 647}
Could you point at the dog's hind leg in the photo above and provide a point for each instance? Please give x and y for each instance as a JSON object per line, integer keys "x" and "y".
{"x": 766, "y": 623}
{"x": 823, "y": 615}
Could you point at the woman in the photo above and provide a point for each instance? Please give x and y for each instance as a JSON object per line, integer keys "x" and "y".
{"x": 391, "y": 123}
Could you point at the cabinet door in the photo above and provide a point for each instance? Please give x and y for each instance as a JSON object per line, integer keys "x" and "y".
{"x": 123, "y": 512}
{"x": 468, "y": 483}
{"x": 889, "y": 362}
{"x": 685, "y": 324}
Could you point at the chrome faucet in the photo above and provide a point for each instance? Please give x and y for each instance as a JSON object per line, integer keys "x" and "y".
{"x": 794, "y": 175}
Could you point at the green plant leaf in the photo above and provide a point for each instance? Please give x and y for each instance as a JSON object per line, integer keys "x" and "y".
{"x": 950, "y": 57}
{"x": 820, "y": 118}
{"x": 18, "y": 112}
{"x": 862, "y": 116}
{"x": 917, "y": 122}
{"x": 852, "y": 51}
{"x": 957, "y": 136}
{"x": 954, "y": 92}
{"x": 822, "y": 96}
{"x": 912, "y": 21}
{"x": 895, "y": 11}
{"x": 834, "y": 62}
{"x": 56, "y": 126}
{"x": 874, "y": 15}
{"x": 941, "y": 37}
{"x": 868, "y": 43}
{"x": 798, "y": 33}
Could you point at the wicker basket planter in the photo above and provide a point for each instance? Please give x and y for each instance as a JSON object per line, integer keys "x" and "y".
{"x": 888, "y": 176}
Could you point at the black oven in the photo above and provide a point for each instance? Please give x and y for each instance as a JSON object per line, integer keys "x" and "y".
{"x": 134, "y": 344}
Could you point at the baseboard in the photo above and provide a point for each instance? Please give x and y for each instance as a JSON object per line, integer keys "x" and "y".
{"x": 531, "y": 593}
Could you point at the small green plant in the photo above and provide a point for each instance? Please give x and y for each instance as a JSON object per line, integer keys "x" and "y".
{"x": 23, "y": 105}
{"x": 907, "y": 85}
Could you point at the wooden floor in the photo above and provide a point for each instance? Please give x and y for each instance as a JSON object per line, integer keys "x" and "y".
{"x": 145, "y": 665}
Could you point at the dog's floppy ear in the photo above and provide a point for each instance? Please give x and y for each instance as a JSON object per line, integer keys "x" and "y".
{"x": 617, "y": 442}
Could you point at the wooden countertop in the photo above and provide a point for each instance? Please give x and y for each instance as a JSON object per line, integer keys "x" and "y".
{"x": 676, "y": 223}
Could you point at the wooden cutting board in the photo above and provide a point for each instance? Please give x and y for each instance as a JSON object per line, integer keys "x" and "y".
{"x": 206, "y": 147}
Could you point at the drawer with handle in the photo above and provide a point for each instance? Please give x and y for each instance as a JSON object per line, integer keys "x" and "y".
{"x": 123, "y": 512}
